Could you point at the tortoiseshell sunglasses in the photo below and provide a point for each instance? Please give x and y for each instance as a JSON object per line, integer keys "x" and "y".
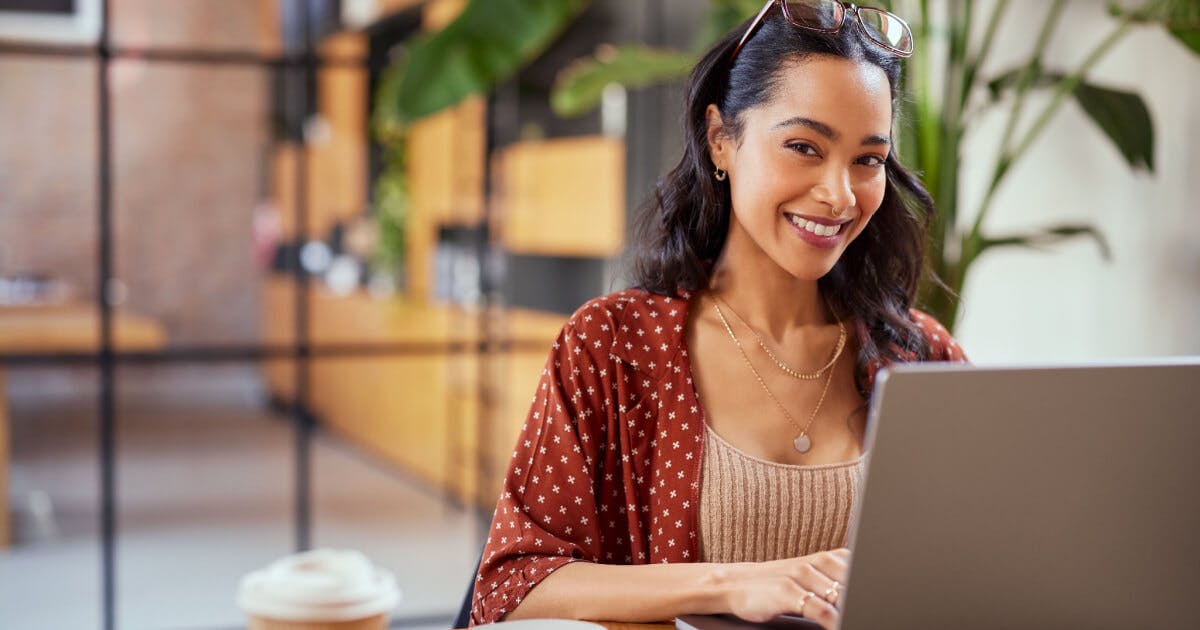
{"x": 827, "y": 16}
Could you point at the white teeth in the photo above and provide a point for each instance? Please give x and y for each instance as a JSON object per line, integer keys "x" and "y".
{"x": 816, "y": 228}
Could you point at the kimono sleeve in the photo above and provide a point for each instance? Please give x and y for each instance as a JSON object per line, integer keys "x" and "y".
{"x": 546, "y": 516}
{"x": 942, "y": 346}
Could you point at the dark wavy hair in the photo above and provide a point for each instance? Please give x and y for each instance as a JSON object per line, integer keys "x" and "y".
{"x": 683, "y": 226}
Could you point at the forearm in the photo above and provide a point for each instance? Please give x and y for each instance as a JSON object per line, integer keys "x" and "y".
{"x": 629, "y": 593}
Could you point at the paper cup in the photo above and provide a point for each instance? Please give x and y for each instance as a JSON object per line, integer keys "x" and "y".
{"x": 378, "y": 622}
{"x": 324, "y": 589}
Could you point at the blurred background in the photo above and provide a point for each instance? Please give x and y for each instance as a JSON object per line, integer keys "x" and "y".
{"x": 272, "y": 278}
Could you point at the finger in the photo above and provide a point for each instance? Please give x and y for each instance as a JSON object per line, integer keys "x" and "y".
{"x": 833, "y": 594}
{"x": 832, "y": 566}
{"x": 808, "y": 578}
{"x": 815, "y": 573}
{"x": 820, "y": 611}
{"x": 841, "y": 555}
{"x": 828, "y": 587}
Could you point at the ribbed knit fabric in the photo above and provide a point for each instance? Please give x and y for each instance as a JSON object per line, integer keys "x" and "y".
{"x": 753, "y": 510}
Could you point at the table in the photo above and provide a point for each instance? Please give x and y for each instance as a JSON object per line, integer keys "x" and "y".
{"x": 53, "y": 329}
{"x": 623, "y": 625}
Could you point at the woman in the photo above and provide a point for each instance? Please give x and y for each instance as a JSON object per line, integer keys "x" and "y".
{"x": 695, "y": 445}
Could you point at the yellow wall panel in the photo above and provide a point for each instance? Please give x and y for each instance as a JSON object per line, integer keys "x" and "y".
{"x": 562, "y": 197}
{"x": 420, "y": 413}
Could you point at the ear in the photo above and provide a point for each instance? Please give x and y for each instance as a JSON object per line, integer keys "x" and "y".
{"x": 719, "y": 145}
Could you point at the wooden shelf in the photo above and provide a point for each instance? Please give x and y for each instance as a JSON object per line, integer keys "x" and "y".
{"x": 73, "y": 328}
{"x": 419, "y": 413}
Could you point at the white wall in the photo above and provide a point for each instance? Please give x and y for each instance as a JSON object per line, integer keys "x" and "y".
{"x": 1067, "y": 304}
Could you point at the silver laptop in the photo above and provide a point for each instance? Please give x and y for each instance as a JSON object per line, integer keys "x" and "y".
{"x": 1046, "y": 497}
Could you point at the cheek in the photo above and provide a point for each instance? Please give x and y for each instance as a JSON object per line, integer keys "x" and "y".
{"x": 869, "y": 196}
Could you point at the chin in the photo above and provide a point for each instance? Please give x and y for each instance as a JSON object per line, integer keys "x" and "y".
{"x": 811, "y": 270}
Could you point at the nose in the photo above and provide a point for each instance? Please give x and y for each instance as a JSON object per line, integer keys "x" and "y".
{"x": 834, "y": 189}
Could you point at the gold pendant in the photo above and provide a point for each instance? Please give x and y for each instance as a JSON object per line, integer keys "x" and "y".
{"x": 802, "y": 443}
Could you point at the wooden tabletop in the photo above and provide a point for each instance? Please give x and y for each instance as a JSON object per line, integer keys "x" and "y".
{"x": 360, "y": 318}
{"x": 623, "y": 625}
{"x": 72, "y": 328}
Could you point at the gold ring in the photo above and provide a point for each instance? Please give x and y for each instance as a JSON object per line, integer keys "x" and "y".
{"x": 803, "y": 601}
{"x": 831, "y": 593}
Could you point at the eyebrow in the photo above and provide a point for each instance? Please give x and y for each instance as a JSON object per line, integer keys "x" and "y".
{"x": 828, "y": 132}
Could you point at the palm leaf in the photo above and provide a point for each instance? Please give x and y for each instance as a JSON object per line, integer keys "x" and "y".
{"x": 1122, "y": 116}
{"x": 1050, "y": 236}
{"x": 722, "y": 17}
{"x": 487, "y": 43}
{"x": 1124, "y": 119}
{"x": 579, "y": 86}
{"x": 1181, "y": 18}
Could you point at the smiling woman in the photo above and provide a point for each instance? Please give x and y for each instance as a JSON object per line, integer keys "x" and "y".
{"x": 788, "y": 236}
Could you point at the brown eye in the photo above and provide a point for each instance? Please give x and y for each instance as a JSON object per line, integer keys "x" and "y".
{"x": 874, "y": 161}
{"x": 799, "y": 147}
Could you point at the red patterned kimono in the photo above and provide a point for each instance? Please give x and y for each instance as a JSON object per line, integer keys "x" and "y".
{"x": 607, "y": 467}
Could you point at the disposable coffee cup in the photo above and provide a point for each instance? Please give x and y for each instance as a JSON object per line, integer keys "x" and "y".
{"x": 323, "y": 589}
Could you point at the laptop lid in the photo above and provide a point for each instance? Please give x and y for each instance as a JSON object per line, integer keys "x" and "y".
{"x": 1044, "y": 497}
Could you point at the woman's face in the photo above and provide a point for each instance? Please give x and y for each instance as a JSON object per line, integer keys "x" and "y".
{"x": 807, "y": 173}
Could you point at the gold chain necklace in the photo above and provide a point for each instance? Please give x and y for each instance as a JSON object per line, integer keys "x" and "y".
{"x": 802, "y": 443}
{"x": 804, "y": 376}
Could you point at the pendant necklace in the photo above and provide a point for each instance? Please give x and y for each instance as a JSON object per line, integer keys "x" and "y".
{"x": 787, "y": 369}
{"x": 802, "y": 443}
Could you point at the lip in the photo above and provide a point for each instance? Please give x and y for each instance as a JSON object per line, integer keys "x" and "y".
{"x": 824, "y": 242}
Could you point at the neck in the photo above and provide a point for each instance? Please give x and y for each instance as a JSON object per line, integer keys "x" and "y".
{"x": 767, "y": 297}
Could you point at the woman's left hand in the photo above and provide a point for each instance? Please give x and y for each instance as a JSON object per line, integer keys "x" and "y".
{"x": 809, "y": 586}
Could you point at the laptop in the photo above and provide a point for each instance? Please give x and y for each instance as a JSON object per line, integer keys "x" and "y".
{"x": 1029, "y": 497}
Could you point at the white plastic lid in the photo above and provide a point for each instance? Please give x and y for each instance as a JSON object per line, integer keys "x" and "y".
{"x": 319, "y": 585}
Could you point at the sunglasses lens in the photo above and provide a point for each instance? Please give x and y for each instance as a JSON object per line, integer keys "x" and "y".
{"x": 887, "y": 29}
{"x": 824, "y": 15}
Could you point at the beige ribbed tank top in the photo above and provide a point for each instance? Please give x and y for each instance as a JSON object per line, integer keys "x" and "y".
{"x": 753, "y": 510}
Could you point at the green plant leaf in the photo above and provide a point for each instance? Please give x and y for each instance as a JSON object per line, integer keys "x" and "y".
{"x": 391, "y": 208}
{"x": 1007, "y": 80}
{"x": 487, "y": 43}
{"x": 1181, "y": 18}
{"x": 384, "y": 123}
{"x": 1050, "y": 236}
{"x": 1124, "y": 118}
{"x": 722, "y": 17}
{"x": 579, "y": 86}
{"x": 1189, "y": 36}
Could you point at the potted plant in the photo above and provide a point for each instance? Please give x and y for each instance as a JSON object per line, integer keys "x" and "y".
{"x": 492, "y": 39}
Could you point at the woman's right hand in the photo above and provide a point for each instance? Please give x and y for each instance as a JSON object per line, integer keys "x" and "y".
{"x": 808, "y": 586}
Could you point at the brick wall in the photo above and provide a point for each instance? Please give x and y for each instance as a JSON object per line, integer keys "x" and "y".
{"x": 188, "y": 147}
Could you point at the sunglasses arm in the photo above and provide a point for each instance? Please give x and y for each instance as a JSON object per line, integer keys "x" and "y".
{"x": 753, "y": 25}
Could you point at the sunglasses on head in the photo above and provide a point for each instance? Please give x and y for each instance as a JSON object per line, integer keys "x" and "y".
{"x": 827, "y": 16}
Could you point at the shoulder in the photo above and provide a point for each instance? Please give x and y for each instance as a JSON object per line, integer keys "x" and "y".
{"x": 942, "y": 346}
{"x": 634, "y": 326}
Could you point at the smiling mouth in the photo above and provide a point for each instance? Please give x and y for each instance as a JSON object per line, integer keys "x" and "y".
{"x": 816, "y": 228}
